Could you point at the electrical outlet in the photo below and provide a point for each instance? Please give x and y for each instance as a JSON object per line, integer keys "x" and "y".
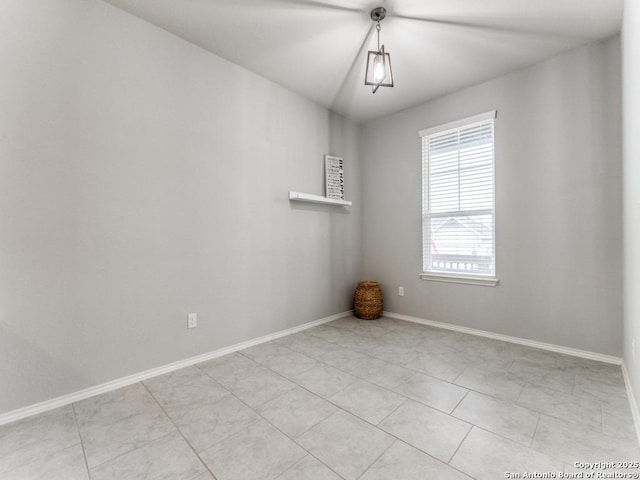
{"x": 192, "y": 320}
{"x": 401, "y": 291}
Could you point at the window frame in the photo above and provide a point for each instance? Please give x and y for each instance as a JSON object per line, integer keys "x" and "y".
{"x": 458, "y": 277}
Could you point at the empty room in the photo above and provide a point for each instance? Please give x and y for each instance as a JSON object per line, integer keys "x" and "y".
{"x": 319, "y": 239}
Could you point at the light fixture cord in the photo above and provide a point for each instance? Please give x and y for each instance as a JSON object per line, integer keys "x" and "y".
{"x": 378, "y": 29}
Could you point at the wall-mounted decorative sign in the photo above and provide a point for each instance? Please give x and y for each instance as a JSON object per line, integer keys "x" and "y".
{"x": 334, "y": 176}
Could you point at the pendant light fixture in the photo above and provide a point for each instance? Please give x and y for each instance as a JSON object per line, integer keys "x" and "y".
{"x": 378, "y": 71}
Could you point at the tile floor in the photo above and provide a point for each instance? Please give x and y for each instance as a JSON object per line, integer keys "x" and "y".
{"x": 351, "y": 399}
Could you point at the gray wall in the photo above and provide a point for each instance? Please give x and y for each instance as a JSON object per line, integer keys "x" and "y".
{"x": 558, "y": 201}
{"x": 142, "y": 178}
{"x": 631, "y": 189}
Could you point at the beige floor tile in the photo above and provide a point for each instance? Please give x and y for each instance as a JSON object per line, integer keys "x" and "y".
{"x": 33, "y": 438}
{"x": 324, "y": 380}
{"x": 597, "y": 387}
{"x": 181, "y": 398}
{"x": 394, "y": 354}
{"x": 296, "y": 411}
{"x": 260, "y": 387}
{"x": 570, "y": 443}
{"x": 228, "y": 369}
{"x": 368, "y": 401}
{"x": 618, "y": 423}
{"x": 499, "y": 416}
{"x": 497, "y": 383}
{"x": 433, "y": 392}
{"x": 346, "y": 444}
{"x": 67, "y": 464}
{"x": 573, "y": 409}
{"x": 545, "y": 376}
{"x": 513, "y": 351}
{"x": 115, "y": 405}
{"x": 262, "y": 352}
{"x": 343, "y": 358}
{"x": 104, "y": 440}
{"x": 308, "y": 345}
{"x": 256, "y": 453}
{"x": 337, "y": 402}
{"x": 406, "y": 463}
{"x": 279, "y": 358}
{"x": 309, "y": 468}
{"x": 381, "y": 373}
{"x": 326, "y": 332}
{"x": 427, "y": 429}
{"x": 445, "y": 366}
{"x": 346, "y": 322}
{"x": 487, "y": 456}
{"x": 207, "y": 424}
{"x": 174, "y": 380}
{"x": 168, "y": 458}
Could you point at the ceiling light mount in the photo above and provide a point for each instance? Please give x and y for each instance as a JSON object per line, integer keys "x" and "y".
{"x": 378, "y": 14}
{"x": 378, "y": 71}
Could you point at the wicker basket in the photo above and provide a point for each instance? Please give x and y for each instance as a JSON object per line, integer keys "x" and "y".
{"x": 367, "y": 300}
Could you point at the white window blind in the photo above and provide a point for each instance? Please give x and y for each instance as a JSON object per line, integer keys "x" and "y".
{"x": 458, "y": 199}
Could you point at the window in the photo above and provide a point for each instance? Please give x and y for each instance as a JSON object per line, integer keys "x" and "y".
{"x": 458, "y": 212}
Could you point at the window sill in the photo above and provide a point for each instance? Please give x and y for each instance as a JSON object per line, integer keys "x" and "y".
{"x": 469, "y": 280}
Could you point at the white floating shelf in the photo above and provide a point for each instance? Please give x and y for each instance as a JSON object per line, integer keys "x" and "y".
{"x": 308, "y": 197}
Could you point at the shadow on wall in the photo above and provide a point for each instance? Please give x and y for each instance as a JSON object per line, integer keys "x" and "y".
{"x": 46, "y": 377}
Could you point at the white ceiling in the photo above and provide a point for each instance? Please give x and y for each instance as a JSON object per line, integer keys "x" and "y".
{"x": 318, "y": 47}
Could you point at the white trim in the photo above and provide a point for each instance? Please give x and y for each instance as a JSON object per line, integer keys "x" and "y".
{"x": 463, "y": 213}
{"x": 506, "y": 338}
{"x": 21, "y": 413}
{"x": 481, "y": 117}
{"x": 468, "y": 279}
{"x": 635, "y": 413}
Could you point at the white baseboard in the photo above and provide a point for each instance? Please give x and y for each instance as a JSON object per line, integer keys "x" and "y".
{"x": 506, "y": 338}
{"x": 41, "y": 407}
{"x": 632, "y": 400}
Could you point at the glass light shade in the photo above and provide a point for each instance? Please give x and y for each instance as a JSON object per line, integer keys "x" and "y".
{"x": 378, "y": 71}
